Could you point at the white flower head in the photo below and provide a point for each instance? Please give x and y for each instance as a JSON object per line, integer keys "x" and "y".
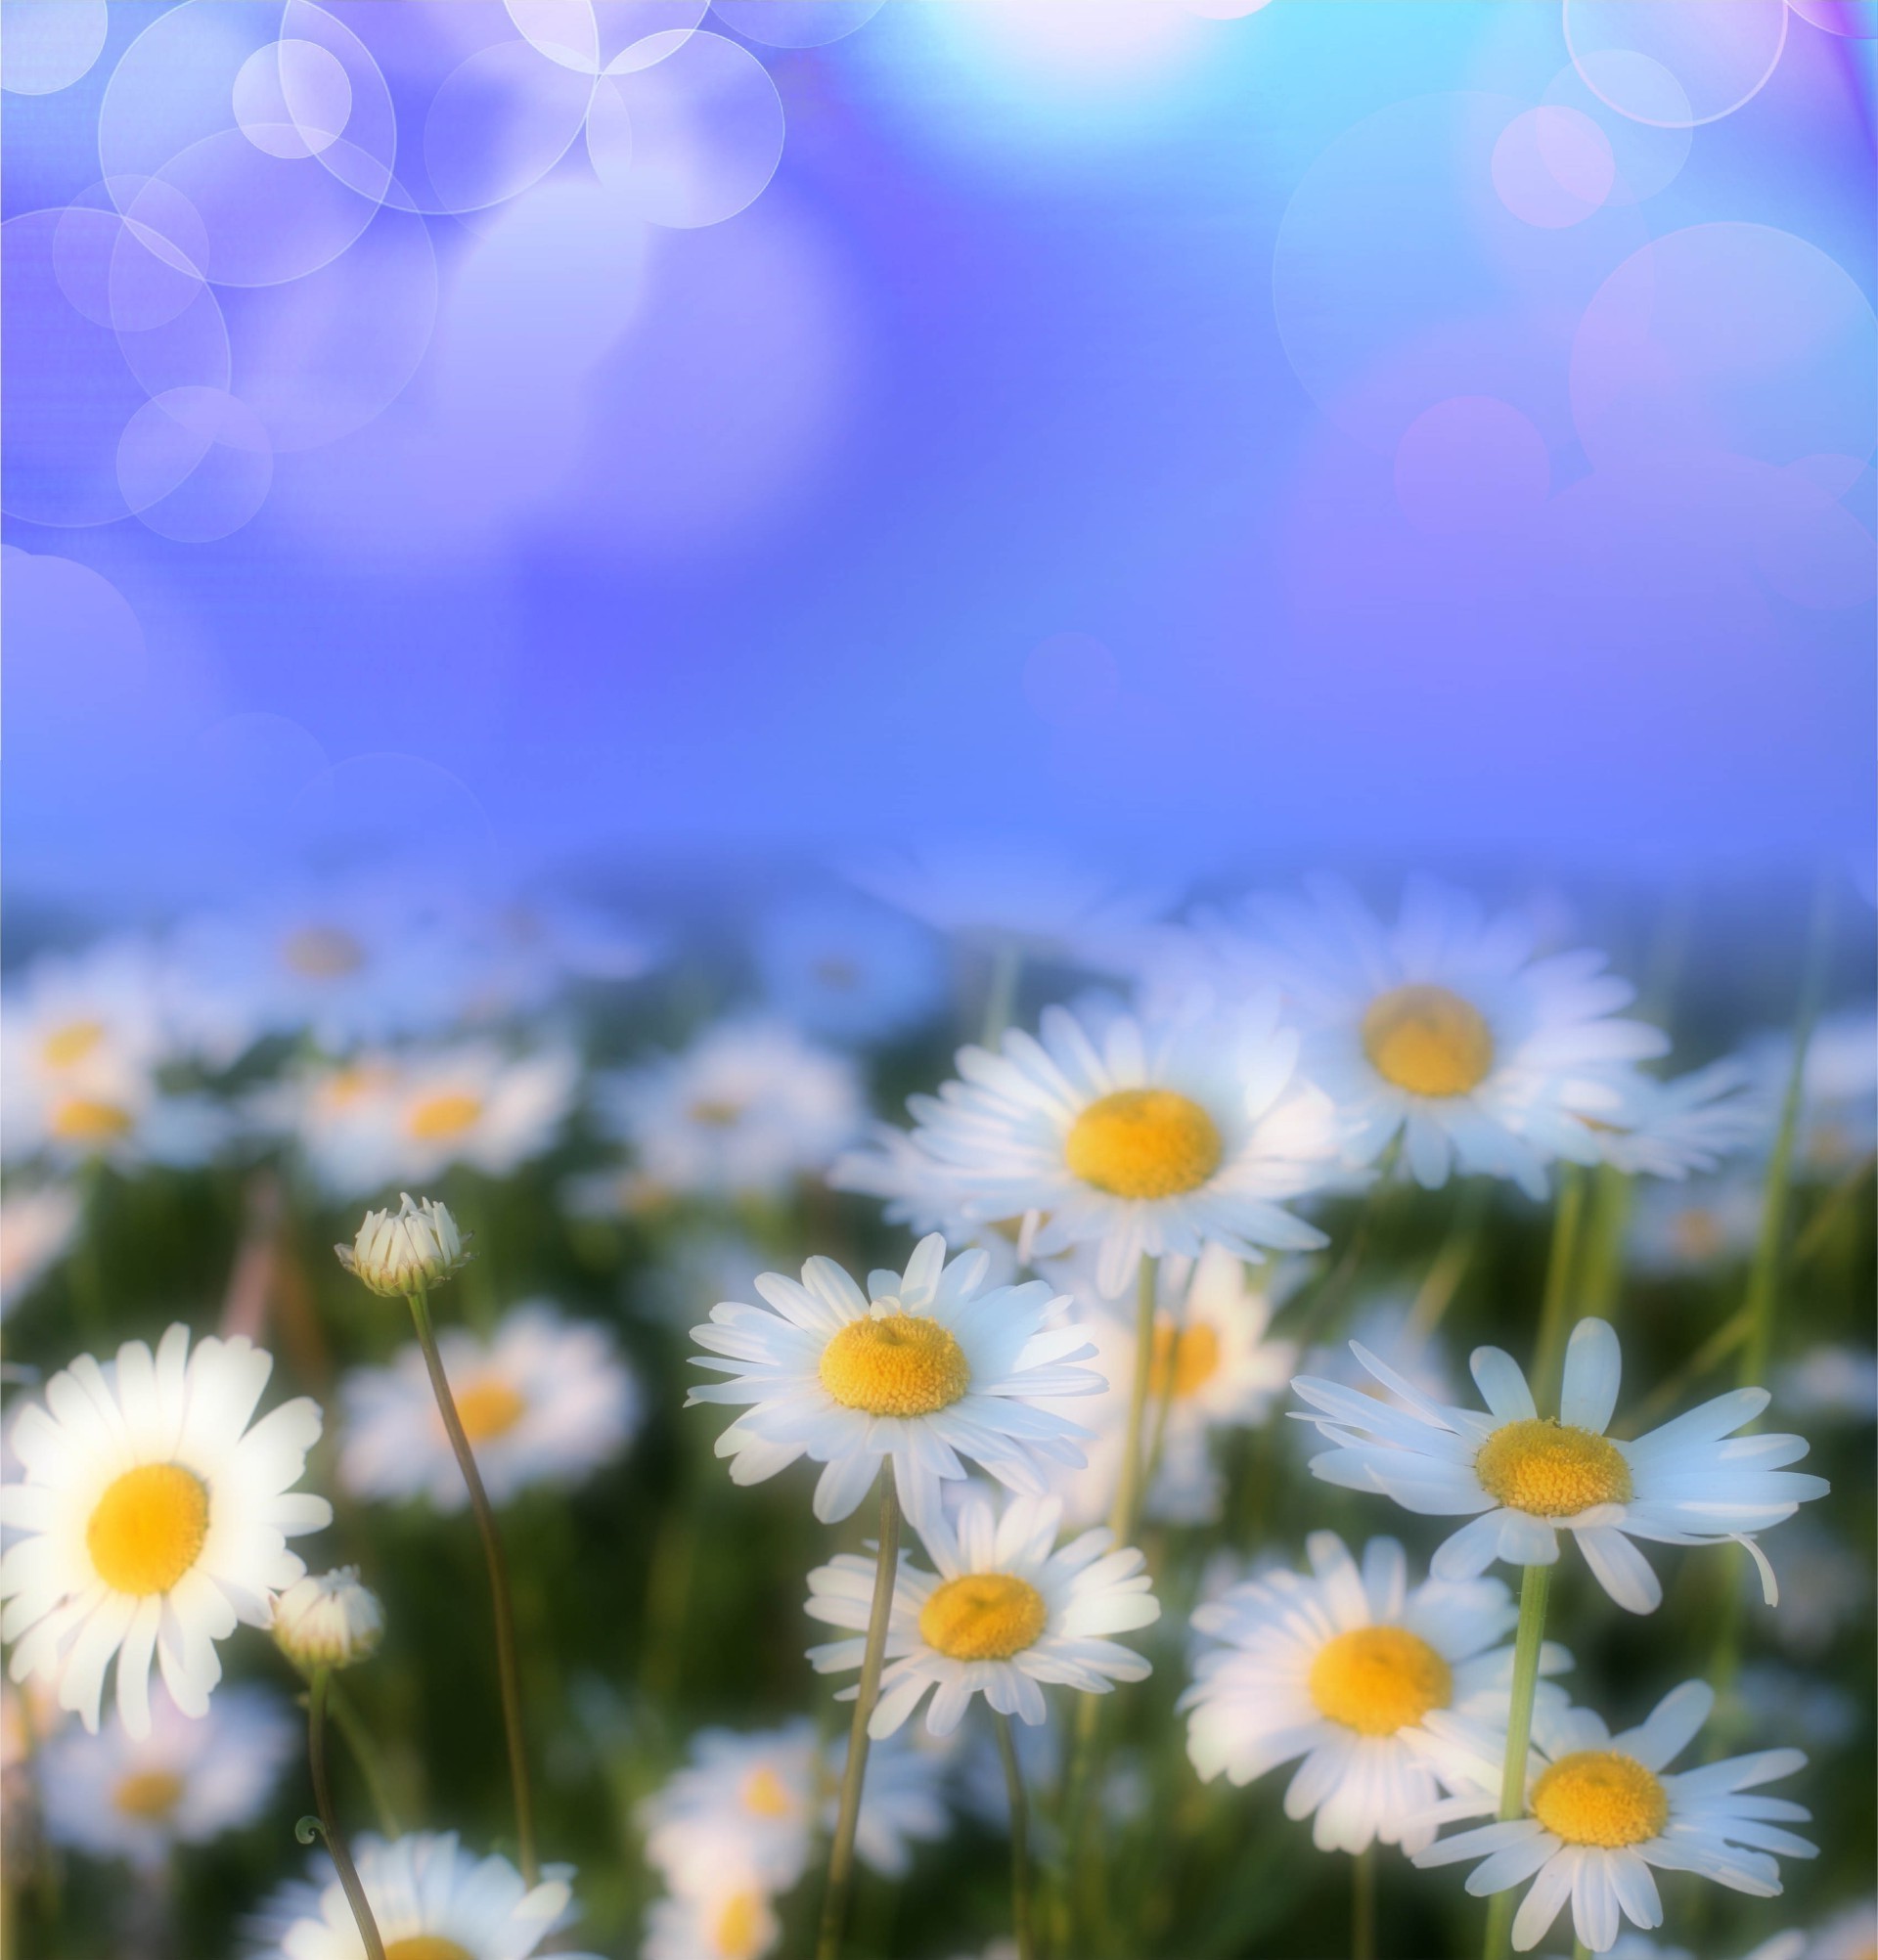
{"x": 1152, "y": 1140}
{"x": 1007, "y": 1614}
{"x": 1526, "y": 1478}
{"x": 1602, "y": 1814}
{"x": 151, "y": 1517}
{"x": 328, "y": 1620}
{"x": 1695, "y": 1226}
{"x": 542, "y": 1399}
{"x": 923, "y": 1370}
{"x": 1343, "y": 1668}
{"x": 847, "y": 969}
{"x": 114, "y": 1795}
{"x": 37, "y": 1229}
{"x": 735, "y": 1919}
{"x": 1669, "y": 1128}
{"x": 417, "y": 1246}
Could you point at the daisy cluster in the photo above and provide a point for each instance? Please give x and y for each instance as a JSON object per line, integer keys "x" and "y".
{"x": 1074, "y": 1427}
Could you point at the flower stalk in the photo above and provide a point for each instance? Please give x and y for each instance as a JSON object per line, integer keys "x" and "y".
{"x": 329, "y": 1819}
{"x": 1021, "y": 1921}
{"x": 1528, "y": 1643}
{"x": 1556, "y": 1314}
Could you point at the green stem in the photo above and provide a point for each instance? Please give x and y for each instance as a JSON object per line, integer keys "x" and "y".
{"x": 834, "y": 1900}
{"x": 1000, "y": 999}
{"x": 1819, "y": 1227}
{"x": 1555, "y": 1314}
{"x": 1126, "y": 1508}
{"x": 1528, "y": 1643}
{"x": 329, "y": 1820}
{"x": 508, "y": 1670}
{"x": 346, "y": 1717}
{"x": 1602, "y": 1278}
{"x": 1019, "y": 1840}
{"x": 1362, "y": 1905}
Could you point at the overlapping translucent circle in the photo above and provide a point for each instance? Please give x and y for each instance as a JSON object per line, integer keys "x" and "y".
{"x": 1471, "y": 464}
{"x": 1719, "y": 56}
{"x": 692, "y": 138}
{"x": 604, "y": 36}
{"x": 292, "y": 98}
{"x": 1852, "y": 19}
{"x": 1552, "y": 167}
{"x": 195, "y": 464}
{"x": 795, "y": 24}
{"x": 50, "y": 44}
{"x": 1646, "y": 156}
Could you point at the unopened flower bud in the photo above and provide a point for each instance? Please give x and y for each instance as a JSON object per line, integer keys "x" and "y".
{"x": 398, "y": 1252}
{"x": 328, "y": 1621}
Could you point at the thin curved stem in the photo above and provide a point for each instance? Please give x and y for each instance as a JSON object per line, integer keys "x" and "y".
{"x": 346, "y": 1717}
{"x": 1020, "y": 1925}
{"x": 834, "y": 1899}
{"x": 329, "y": 1820}
{"x": 1528, "y": 1644}
{"x": 508, "y": 1670}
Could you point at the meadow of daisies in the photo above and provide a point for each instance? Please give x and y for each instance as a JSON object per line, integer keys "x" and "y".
{"x": 948, "y": 1411}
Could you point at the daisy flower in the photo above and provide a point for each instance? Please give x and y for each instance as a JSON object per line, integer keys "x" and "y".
{"x": 1839, "y": 1087}
{"x": 1782, "y": 1946}
{"x": 745, "y": 1110}
{"x": 753, "y": 1804}
{"x": 1852, "y": 1934}
{"x": 917, "y": 1190}
{"x": 71, "y": 1018}
{"x": 1601, "y": 1810}
{"x": 117, "y": 1795}
{"x": 921, "y": 1370}
{"x": 36, "y": 1228}
{"x": 1007, "y": 1614}
{"x": 849, "y": 970}
{"x": 1156, "y": 1141}
{"x": 544, "y": 1400}
{"x": 1527, "y": 1478}
{"x": 1343, "y": 1668}
{"x": 151, "y": 1518}
{"x": 107, "y": 1111}
{"x": 733, "y": 1920}
{"x": 1694, "y": 1226}
{"x": 1445, "y": 1029}
{"x": 1835, "y": 1381}
{"x": 1669, "y": 1128}
{"x": 522, "y": 953}
{"x": 432, "y": 1899}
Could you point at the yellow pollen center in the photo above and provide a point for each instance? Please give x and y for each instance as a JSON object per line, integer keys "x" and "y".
{"x": 1428, "y": 1040}
{"x": 715, "y": 1112}
{"x": 985, "y": 1616}
{"x": 1377, "y": 1680}
{"x": 488, "y": 1410}
{"x": 441, "y": 1116}
{"x": 738, "y": 1933}
{"x": 84, "y": 1119}
{"x": 1143, "y": 1143}
{"x": 1599, "y": 1797}
{"x": 427, "y": 1946}
{"x": 151, "y": 1793}
{"x": 148, "y": 1528}
{"x": 70, "y": 1043}
{"x": 1552, "y": 1470}
{"x": 766, "y": 1794}
{"x": 901, "y": 1364}
{"x": 1193, "y": 1356}
{"x": 322, "y": 953}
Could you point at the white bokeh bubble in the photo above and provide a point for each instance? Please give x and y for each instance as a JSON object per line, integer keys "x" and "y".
{"x": 795, "y": 24}
{"x": 693, "y": 139}
{"x": 1728, "y": 336}
{"x": 597, "y": 36}
{"x": 145, "y": 279}
{"x": 72, "y": 381}
{"x": 195, "y": 464}
{"x": 1810, "y": 549}
{"x": 50, "y": 44}
{"x": 497, "y": 124}
{"x": 292, "y": 99}
{"x": 1852, "y": 19}
{"x": 1471, "y": 464}
{"x": 1721, "y": 56}
{"x": 1552, "y": 167}
{"x": 1647, "y": 155}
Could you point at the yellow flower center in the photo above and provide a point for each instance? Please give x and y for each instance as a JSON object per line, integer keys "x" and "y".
{"x": 1428, "y": 1040}
{"x": 1143, "y": 1143}
{"x": 1598, "y": 1797}
{"x": 439, "y": 1116}
{"x": 985, "y": 1616}
{"x": 765, "y": 1794}
{"x": 1699, "y": 1238}
{"x": 322, "y": 951}
{"x": 715, "y": 1112}
{"x": 901, "y": 1364}
{"x": 1552, "y": 1470}
{"x": 1191, "y": 1356}
{"x": 148, "y": 1528}
{"x": 85, "y": 1119}
{"x": 489, "y": 1408}
{"x": 1377, "y": 1680}
{"x": 737, "y": 1930}
{"x": 427, "y": 1946}
{"x": 151, "y": 1793}
{"x": 71, "y": 1044}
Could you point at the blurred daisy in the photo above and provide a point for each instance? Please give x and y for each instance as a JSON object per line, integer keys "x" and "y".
{"x": 151, "y": 1517}
{"x": 544, "y": 1400}
{"x": 71, "y": 1020}
{"x": 1445, "y": 1030}
{"x": 921, "y": 1370}
{"x": 113, "y": 1795}
{"x": 745, "y": 1110}
{"x": 1160, "y": 1141}
{"x": 111, "y": 1112}
{"x": 1669, "y": 1128}
{"x": 1698, "y": 1225}
{"x": 1834, "y": 1380}
{"x": 753, "y": 1803}
{"x": 1839, "y": 1089}
{"x": 1343, "y": 1668}
{"x": 1852, "y": 1934}
{"x": 1386, "y": 1326}
{"x": 917, "y": 1190}
{"x": 849, "y": 970}
{"x": 732, "y": 1920}
{"x": 1529, "y": 1478}
{"x": 1782, "y": 1946}
{"x": 432, "y": 1899}
{"x": 1601, "y": 1810}
{"x": 523, "y": 953}
{"x": 37, "y": 1229}
{"x": 1007, "y": 1614}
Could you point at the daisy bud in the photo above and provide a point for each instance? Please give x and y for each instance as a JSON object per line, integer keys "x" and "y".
{"x": 398, "y": 1252}
{"x": 330, "y": 1620}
